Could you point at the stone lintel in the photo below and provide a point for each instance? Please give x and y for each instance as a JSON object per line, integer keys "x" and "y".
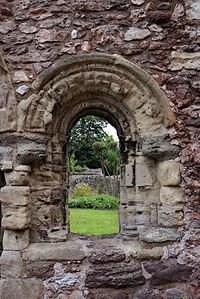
{"x": 64, "y": 251}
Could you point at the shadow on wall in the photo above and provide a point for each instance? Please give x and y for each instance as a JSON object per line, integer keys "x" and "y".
{"x": 2, "y": 184}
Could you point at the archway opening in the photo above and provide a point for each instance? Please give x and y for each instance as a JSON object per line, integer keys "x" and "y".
{"x": 113, "y": 88}
{"x": 94, "y": 179}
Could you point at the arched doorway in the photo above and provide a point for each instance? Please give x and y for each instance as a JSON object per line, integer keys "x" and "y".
{"x": 94, "y": 164}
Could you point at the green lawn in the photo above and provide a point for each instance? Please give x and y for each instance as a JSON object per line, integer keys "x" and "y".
{"x": 94, "y": 222}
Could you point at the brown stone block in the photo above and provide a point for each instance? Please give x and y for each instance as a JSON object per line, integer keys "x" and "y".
{"x": 31, "y": 152}
{"x": 178, "y": 294}
{"x": 169, "y": 173}
{"x": 159, "y": 234}
{"x": 21, "y": 288}
{"x": 171, "y": 195}
{"x": 107, "y": 254}
{"x": 17, "y": 178}
{"x": 170, "y": 215}
{"x": 14, "y": 240}
{"x": 15, "y": 218}
{"x": 11, "y": 264}
{"x": 168, "y": 272}
{"x": 15, "y": 196}
{"x": 110, "y": 294}
{"x": 64, "y": 251}
{"x": 115, "y": 275}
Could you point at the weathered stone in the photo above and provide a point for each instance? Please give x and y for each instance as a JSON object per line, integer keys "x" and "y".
{"x": 15, "y": 196}
{"x": 77, "y": 295}
{"x": 116, "y": 275}
{"x": 21, "y": 288}
{"x": 14, "y": 240}
{"x": 193, "y": 9}
{"x": 46, "y": 35}
{"x": 185, "y": 60}
{"x": 31, "y": 152}
{"x": 17, "y": 178}
{"x": 138, "y": 2}
{"x": 22, "y": 90}
{"x": 60, "y": 283}
{"x": 178, "y": 294}
{"x": 11, "y": 264}
{"x": 15, "y": 218}
{"x": 169, "y": 173}
{"x": 74, "y": 34}
{"x": 58, "y": 252}
{"x": 6, "y": 27}
{"x": 147, "y": 293}
{"x": 139, "y": 214}
{"x": 171, "y": 195}
{"x": 108, "y": 293}
{"x": 88, "y": 6}
{"x": 6, "y": 154}
{"x": 26, "y": 28}
{"x": 134, "y": 33}
{"x": 104, "y": 255}
{"x": 20, "y": 76}
{"x": 158, "y": 235}
{"x": 23, "y": 168}
{"x": 57, "y": 236}
{"x": 159, "y": 149}
{"x": 145, "y": 174}
{"x": 178, "y": 12}
{"x": 159, "y": 16}
{"x": 168, "y": 272}
{"x": 86, "y": 47}
{"x": 106, "y": 33}
{"x": 148, "y": 254}
{"x": 170, "y": 216}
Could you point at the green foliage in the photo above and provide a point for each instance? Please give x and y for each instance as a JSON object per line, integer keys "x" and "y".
{"x": 102, "y": 201}
{"x": 82, "y": 190}
{"x": 94, "y": 222}
{"x": 74, "y": 166}
{"x": 85, "y": 132}
{"x": 108, "y": 153}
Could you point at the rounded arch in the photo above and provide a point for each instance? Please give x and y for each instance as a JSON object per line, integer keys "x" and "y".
{"x": 95, "y": 76}
{"x": 129, "y": 98}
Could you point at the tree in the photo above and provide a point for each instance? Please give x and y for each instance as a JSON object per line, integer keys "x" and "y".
{"x": 85, "y": 132}
{"x": 108, "y": 152}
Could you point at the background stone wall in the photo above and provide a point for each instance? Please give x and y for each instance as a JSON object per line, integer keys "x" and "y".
{"x": 96, "y": 180}
{"x": 163, "y": 38}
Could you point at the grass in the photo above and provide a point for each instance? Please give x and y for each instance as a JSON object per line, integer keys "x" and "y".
{"x": 94, "y": 222}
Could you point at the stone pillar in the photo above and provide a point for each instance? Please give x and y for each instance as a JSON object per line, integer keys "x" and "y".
{"x": 15, "y": 200}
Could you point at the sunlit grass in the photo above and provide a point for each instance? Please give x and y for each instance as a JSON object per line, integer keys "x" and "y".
{"x": 94, "y": 222}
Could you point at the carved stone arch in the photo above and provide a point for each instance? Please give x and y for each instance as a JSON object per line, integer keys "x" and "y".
{"x": 129, "y": 98}
{"x": 8, "y": 104}
{"x": 68, "y": 80}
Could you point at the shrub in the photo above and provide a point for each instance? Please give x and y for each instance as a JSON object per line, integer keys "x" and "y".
{"x": 81, "y": 190}
{"x": 103, "y": 201}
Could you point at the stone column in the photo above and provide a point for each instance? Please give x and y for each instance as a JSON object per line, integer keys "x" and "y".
{"x": 15, "y": 200}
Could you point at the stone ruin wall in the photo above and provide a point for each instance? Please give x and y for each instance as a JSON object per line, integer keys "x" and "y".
{"x": 96, "y": 181}
{"x": 162, "y": 37}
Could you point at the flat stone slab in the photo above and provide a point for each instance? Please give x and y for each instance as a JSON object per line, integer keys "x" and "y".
{"x": 158, "y": 234}
{"x": 66, "y": 251}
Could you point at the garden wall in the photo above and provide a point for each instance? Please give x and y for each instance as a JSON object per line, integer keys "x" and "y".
{"x": 96, "y": 180}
